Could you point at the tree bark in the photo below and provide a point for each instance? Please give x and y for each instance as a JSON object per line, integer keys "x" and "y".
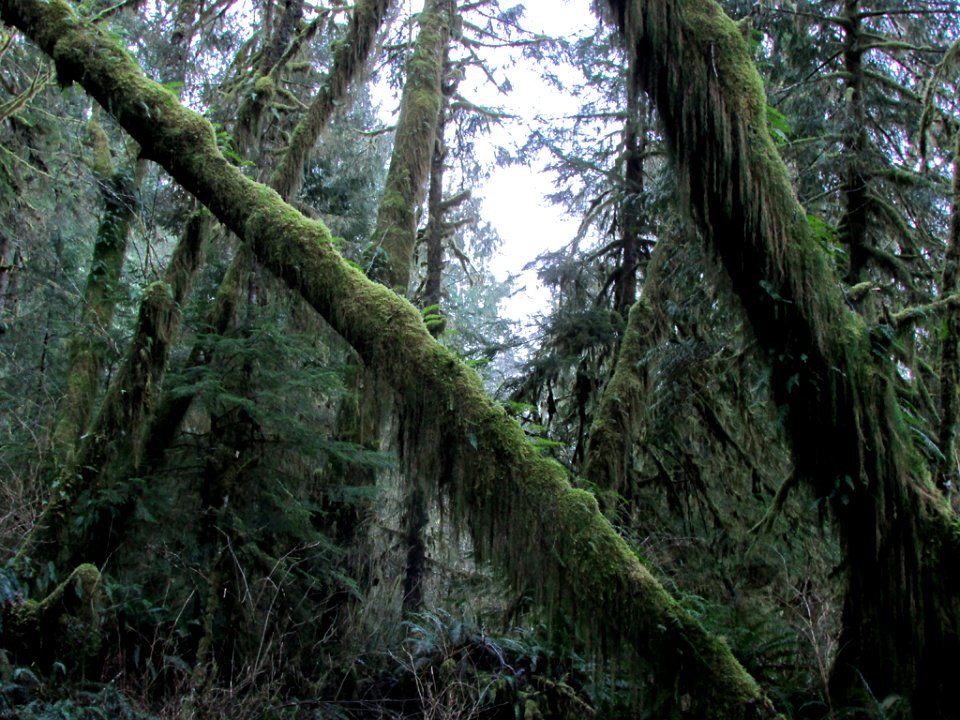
{"x": 947, "y": 475}
{"x": 853, "y": 192}
{"x": 631, "y": 209}
{"x": 413, "y": 145}
{"x": 837, "y": 378}
{"x": 88, "y": 347}
{"x": 520, "y": 507}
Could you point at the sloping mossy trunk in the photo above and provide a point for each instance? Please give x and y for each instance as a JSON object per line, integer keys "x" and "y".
{"x": 420, "y": 107}
{"x": 64, "y": 626}
{"x": 520, "y": 507}
{"x": 837, "y": 379}
{"x": 94, "y": 498}
{"x": 349, "y": 58}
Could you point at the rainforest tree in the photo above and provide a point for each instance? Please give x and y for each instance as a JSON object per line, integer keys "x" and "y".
{"x": 749, "y": 312}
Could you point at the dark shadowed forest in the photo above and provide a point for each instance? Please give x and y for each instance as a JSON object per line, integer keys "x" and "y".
{"x": 270, "y": 446}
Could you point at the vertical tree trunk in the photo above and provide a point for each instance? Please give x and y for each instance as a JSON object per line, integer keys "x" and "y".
{"x": 632, "y": 214}
{"x": 413, "y": 146}
{"x": 854, "y": 190}
{"x": 178, "y": 48}
{"x": 435, "y": 229}
{"x": 89, "y": 345}
{"x": 947, "y": 473}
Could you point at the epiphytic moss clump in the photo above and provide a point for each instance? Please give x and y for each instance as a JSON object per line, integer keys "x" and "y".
{"x": 65, "y": 625}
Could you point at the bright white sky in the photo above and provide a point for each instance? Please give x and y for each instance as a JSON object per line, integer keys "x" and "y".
{"x": 514, "y": 198}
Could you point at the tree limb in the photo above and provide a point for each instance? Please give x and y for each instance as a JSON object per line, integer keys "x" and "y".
{"x": 520, "y": 506}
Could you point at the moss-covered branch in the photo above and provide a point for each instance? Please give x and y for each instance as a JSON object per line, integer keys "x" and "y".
{"x": 64, "y": 626}
{"x": 349, "y": 57}
{"x": 901, "y": 611}
{"x": 927, "y": 310}
{"x": 523, "y": 513}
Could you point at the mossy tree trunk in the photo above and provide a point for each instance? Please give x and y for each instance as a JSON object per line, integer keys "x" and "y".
{"x": 178, "y": 46}
{"x": 80, "y": 522}
{"x": 522, "y": 511}
{"x": 416, "y": 512}
{"x": 90, "y": 345}
{"x": 613, "y": 432}
{"x": 420, "y": 106}
{"x": 432, "y": 284}
{"x": 837, "y": 378}
{"x": 947, "y": 473}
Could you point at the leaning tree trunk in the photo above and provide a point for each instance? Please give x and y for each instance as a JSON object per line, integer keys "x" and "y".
{"x": 523, "y": 514}
{"x": 107, "y": 456}
{"x": 349, "y": 59}
{"x": 837, "y": 378}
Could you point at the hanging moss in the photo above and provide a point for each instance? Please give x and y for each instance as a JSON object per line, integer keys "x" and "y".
{"x": 520, "y": 508}
{"x": 349, "y": 57}
{"x": 836, "y": 377}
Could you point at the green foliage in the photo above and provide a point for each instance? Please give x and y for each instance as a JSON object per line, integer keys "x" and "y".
{"x": 447, "y": 667}
{"x": 249, "y": 546}
{"x": 25, "y": 697}
{"x": 345, "y": 177}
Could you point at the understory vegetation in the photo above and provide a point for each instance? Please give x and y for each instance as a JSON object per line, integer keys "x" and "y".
{"x": 271, "y": 445}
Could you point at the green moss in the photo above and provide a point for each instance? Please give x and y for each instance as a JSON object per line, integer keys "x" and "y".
{"x": 519, "y": 507}
{"x": 265, "y": 86}
{"x": 413, "y": 145}
{"x": 65, "y": 625}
